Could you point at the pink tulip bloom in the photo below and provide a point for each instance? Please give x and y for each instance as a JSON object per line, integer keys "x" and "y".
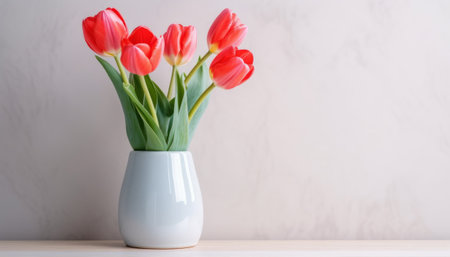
{"x": 142, "y": 51}
{"x": 104, "y": 32}
{"x": 231, "y": 67}
{"x": 226, "y": 30}
{"x": 179, "y": 44}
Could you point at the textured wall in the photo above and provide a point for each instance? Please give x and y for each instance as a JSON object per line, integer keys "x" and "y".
{"x": 342, "y": 133}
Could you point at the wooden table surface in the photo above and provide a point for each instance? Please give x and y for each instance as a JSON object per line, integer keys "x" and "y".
{"x": 234, "y": 248}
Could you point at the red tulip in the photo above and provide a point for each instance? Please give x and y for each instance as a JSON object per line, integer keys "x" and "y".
{"x": 179, "y": 44}
{"x": 104, "y": 32}
{"x": 142, "y": 51}
{"x": 231, "y": 67}
{"x": 226, "y": 30}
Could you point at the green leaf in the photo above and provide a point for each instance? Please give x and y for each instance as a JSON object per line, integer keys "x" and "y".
{"x": 198, "y": 83}
{"x": 155, "y": 138}
{"x": 154, "y": 142}
{"x": 171, "y": 132}
{"x": 180, "y": 126}
{"x": 135, "y": 134}
{"x": 140, "y": 91}
{"x": 141, "y": 122}
{"x": 164, "y": 110}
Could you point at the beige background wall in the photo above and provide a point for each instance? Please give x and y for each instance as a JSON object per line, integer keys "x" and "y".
{"x": 342, "y": 133}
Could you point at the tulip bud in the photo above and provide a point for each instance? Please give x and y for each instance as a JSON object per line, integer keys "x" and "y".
{"x": 226, "y": 30}
{"x": 179, "y": 44}
{"x": 142, "y": 51}
{"x": 231, "y": 67}
{"x": 104, "y": 32}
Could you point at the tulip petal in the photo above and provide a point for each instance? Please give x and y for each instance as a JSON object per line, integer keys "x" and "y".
{"x": 156, "y": 54}
{"x": 188, "y": 44}
{"x": 234, "y": 37}
{"x": 172, "y": 43}
{"x": 249, "y": 74}
{"x": 89, "y": 37}
{"x": 246, "y": 56}
{"x": 119, "y": 16}
{"x": 144, "y": 48}
{"x": 188, "y": 37}
{"x": 225, "y": 54}
{"x": 135, "y": 60}
{"x": 142, "y": 34}
{"x": 220, "y": 27}
{"x": 109, "y": 33}
{"x": 229, "y": 74}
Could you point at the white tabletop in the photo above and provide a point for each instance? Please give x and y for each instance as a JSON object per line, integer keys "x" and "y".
{"x": 235, "y": 248}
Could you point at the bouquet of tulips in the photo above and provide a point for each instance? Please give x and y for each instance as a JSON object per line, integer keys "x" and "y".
{"x": 156, "y": 121}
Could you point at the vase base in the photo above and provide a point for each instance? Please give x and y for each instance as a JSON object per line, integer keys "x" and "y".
{"x": 161, "y": 248}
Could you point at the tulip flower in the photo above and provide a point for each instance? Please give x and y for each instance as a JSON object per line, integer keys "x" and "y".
{"x": 179, "y": 47}
{"x": 104, "y": 32}
{"x": 179, "y": 44}
{"x": 226, "y": 30}
{"x": 229, "y": 69}
{"x": 142, "y": 51}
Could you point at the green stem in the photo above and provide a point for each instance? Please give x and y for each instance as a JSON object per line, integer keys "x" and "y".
{"x": 200, "y": 100}
{"x": 148, "y": 98}
{"x": 199, "y": 63}
{"x": 172, "y": 80}
{"x": 122, "y": 71}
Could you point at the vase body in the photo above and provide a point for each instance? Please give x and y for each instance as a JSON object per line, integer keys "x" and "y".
{"x": 160, "y": 202}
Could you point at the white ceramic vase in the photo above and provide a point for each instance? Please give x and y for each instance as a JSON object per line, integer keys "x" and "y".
{"x": 160, "y": 202}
